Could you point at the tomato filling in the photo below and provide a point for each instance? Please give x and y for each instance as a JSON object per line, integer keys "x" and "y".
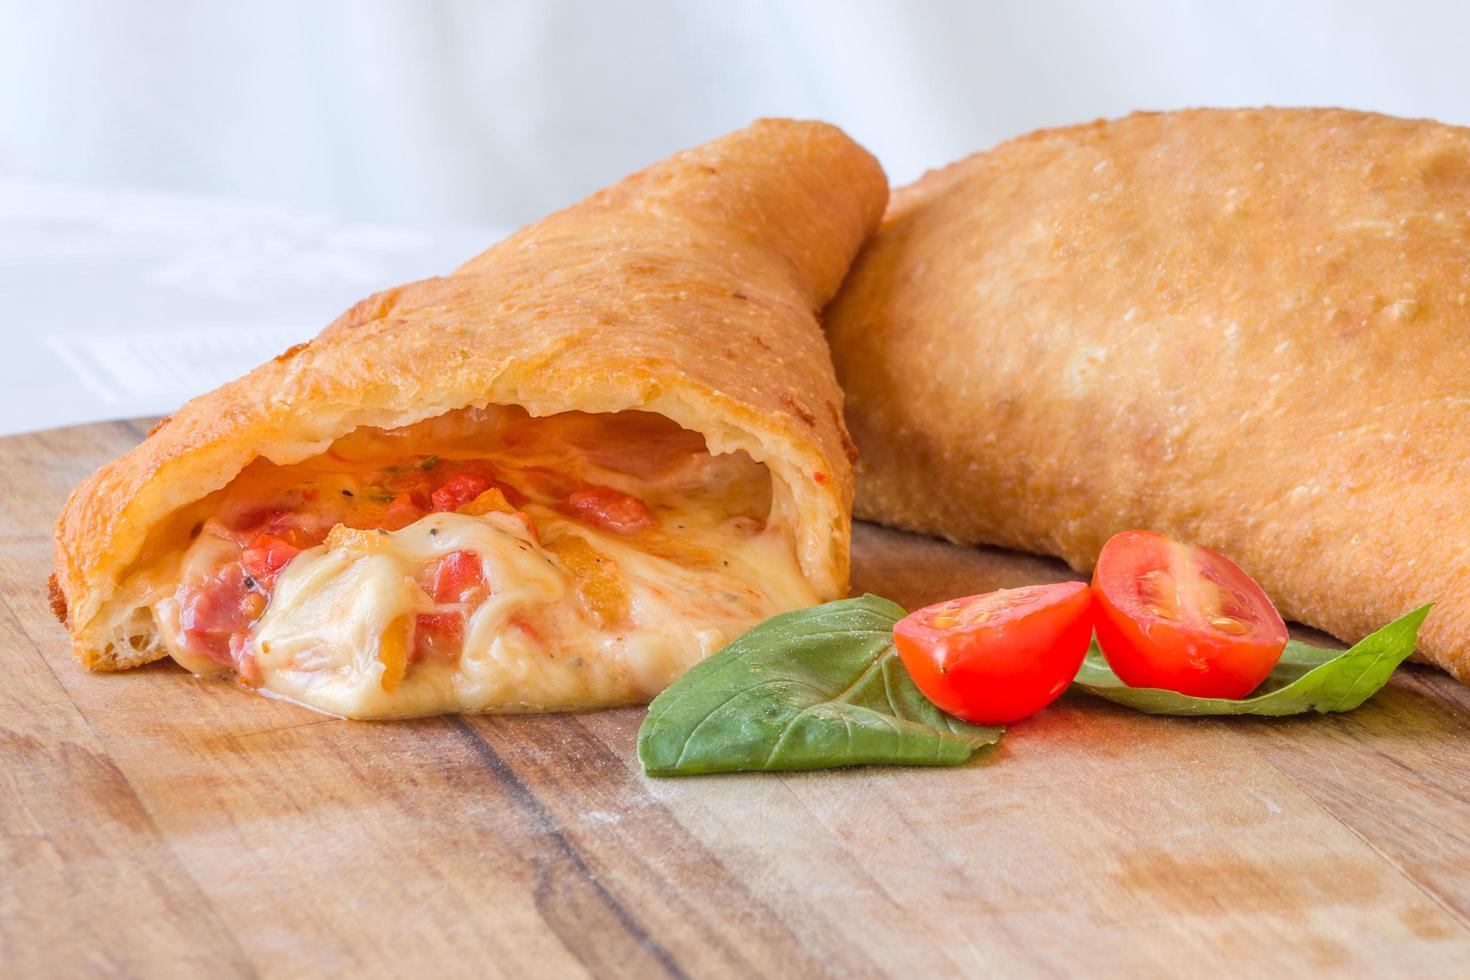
{"x": 478, "y": 559}
{"x": 217, "y": 613}
{"x": 606, "y": 507}
{"x": 455, "y": 580}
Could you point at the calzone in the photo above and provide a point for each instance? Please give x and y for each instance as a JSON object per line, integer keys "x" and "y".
{"x": 1249, "y": 329}
{"x": 551, "y": 480}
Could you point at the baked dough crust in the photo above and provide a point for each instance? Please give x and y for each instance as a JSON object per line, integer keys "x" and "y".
{"x": 1249, "y": 329}
{"x": 690, "y": 289}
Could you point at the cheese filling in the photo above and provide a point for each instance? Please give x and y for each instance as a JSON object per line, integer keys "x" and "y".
{"x": 483, "y": 561}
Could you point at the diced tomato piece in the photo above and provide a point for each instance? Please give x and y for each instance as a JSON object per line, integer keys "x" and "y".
{"x": 265, "y": 558}
{"x": 403, "y": 511}
{"x": 301, "y": 529}
{"x": 437, "y": 635}
{"x": 486, "y": 469}
{"x": 608, "y": 508}
{"x": 457, "y": 577}
{"x": 459, "y": 490}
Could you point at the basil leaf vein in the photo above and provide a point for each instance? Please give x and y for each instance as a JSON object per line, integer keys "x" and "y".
{"x": 811, "y": 689}
{"x": 1307, "y": 678}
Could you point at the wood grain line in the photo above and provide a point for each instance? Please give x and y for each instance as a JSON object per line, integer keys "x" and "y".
{"x": 542, "y": 818}
{"x": 1388, "y": 857}
{"x": 1323, "y": 804}
{"x": 21, "y": 686}
{"x": 1428, "y": 707}
{"x": 653, "y": 862}
{"x": 124, "y": 818}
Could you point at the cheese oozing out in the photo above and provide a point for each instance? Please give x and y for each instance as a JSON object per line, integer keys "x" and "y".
{"x": 482, "y": 561}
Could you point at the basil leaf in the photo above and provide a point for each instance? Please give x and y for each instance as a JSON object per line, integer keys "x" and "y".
{"x": 1307, "y": 678}
{"x": 810, "y": 689}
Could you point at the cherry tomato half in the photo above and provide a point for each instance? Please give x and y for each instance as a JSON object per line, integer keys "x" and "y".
{"x": 1183, "y": 618}
{"x": 996, "y": 658}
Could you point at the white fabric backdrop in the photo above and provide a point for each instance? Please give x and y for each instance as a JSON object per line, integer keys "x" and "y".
{"x": 420, "y": 115}
{"x": 476, "y": 111}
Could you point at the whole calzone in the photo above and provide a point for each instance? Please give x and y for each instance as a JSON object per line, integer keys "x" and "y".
{"x": 554, "y": 479}
{"x": 1249, "y": 329}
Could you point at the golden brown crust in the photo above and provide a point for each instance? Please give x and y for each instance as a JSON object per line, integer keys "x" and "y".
{"x": 1247, "y": 328}
{"x": 57, "y": 599}
{"x": 689, "y": 289}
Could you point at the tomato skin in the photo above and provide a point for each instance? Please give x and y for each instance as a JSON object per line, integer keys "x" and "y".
{"x": 265, "y": 558}
{"x": 1183, "y": 618}
{"x": 997, "y": 658}
{"x": 608, "y": 508}
{"x": 459, "y": 490}
{"x": 480, "y": 468}
{"x": 457, "y": 577}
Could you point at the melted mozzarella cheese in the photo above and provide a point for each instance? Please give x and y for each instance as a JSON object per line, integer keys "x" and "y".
{"x": 527, "y": 647}
{"x": 337, "y": 631}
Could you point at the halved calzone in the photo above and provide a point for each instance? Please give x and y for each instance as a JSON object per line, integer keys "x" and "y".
{"x": 552, "y": 480}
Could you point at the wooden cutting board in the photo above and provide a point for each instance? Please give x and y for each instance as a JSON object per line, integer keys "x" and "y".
{"x": 154, "y": 824}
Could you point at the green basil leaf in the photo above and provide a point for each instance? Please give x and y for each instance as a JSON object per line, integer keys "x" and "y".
{"x": 810, "y": 689}
{"x": 1307, "y": 678}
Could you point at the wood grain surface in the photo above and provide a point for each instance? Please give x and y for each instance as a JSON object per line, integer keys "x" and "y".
{"x": 152, "y": 824}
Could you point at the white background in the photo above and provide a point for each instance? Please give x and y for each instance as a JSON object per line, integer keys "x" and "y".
{"x": 188, "y": 186}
